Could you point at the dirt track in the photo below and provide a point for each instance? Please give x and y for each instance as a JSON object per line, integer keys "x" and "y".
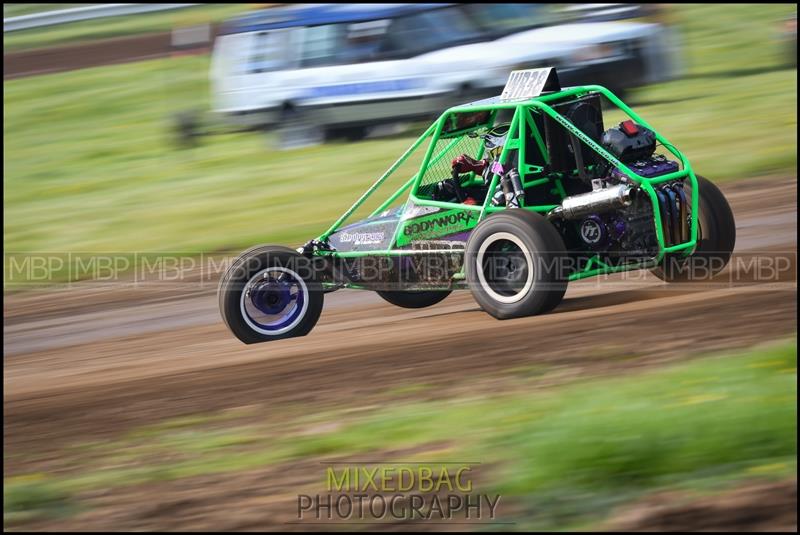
{"x": 93, "y": 362}
{"x": 62, "y": 58}
{"x": 76, "y": 360}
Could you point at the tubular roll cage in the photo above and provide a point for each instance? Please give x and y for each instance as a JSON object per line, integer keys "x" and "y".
{"x": 516, "y": 140}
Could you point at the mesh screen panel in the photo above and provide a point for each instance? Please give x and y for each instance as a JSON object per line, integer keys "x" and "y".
{"x": 442, "y": 157}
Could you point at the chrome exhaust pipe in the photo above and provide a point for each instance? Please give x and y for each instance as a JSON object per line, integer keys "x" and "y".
{"x": 597, "y": 201}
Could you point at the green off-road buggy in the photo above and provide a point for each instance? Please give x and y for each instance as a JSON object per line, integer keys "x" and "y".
{"x": 510, "y": 197}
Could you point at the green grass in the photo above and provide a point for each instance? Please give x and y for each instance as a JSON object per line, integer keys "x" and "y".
{"x": 724, "y": 411}
{"x": 100, "y": 157}
{"x": 89, "y": 165}
{"x": 109, "y": 27}
{"x": 568, "y": 455}
{"x": 34, "y": 497}
{"x": 562, "y": 454}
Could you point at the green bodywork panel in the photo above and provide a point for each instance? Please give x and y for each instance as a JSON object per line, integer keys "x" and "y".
{"x": 436, "y": 225}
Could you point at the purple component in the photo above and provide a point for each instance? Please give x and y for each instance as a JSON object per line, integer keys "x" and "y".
{"x": 271, "y": 297}
{"x": 651, "y": 167}
{"x": 461, "y": 236}
{"x": 497, "y": 168}
{"x": 274, "y": 299}
{"x": 619, "y": 228}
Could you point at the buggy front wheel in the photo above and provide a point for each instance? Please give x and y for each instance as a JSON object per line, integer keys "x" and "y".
{"x": 269, "y": 293}
{"x": 516, "y": 264}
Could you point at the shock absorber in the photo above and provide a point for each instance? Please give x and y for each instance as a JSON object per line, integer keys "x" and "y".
{"x": 514, "y": 187}
{"x": 510, "y": 193}
{"x": 675, "y": 230}
{"x": 683, "y": 212}
{"x": 666, "y": 222}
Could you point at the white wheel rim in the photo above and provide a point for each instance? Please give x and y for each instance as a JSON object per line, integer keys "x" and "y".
{"x": 506, "y": 299}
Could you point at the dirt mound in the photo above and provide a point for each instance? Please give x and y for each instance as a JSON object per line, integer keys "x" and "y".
{"x": 755, "y": 507}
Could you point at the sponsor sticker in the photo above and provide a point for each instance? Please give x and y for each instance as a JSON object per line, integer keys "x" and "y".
{"x": 361, "y": 238}
{"x": 437, "y": 225}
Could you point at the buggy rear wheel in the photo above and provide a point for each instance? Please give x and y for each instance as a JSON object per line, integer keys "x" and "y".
{"x": 269, "y": 293}
{"x": 515, "y": 264}
{"x": 716, "y": 238}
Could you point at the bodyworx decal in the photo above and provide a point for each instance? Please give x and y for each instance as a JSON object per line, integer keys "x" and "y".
{"x": 436, "y": 225}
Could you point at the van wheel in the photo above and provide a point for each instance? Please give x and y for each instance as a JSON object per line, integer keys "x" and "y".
{"x": 350, "y": 133}
{"x": 515, "y": 264}
{"x": 269, "y": 293}
{"x": 297, "y": 130}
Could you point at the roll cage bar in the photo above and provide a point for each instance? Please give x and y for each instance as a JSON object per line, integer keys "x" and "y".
{"x": 521, "y": 123}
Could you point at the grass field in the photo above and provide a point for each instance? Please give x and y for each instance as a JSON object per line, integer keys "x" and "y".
{"x": 563, "y": 456}
{"x": 89, "y": 165}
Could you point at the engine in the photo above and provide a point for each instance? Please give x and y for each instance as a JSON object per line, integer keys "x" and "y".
{"x": 615, "y": 219}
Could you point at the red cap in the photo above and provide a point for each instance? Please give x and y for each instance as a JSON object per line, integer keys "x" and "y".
{"x": 629, "y": 127}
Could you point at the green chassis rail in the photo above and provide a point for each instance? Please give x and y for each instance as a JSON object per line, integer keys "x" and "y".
{"x": 516, "y": 140}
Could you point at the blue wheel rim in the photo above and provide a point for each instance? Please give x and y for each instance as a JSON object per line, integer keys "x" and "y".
{"x": 274, "y": 300}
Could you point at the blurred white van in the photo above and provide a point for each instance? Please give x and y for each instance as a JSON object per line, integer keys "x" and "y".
{"x": 345, "y": 67}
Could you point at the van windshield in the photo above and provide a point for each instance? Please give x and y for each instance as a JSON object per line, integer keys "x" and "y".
{"x": 401, "y": 37}
{"x": 431, "y": 30}
{"x": 504, "y": 19}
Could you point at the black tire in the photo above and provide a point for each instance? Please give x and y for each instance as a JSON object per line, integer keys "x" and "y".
{"x": 716, "y": 239}
{"x": 535, "y": 252}
{"x": 269, "y": 260}
{"x": 187, "y": 129}
{"x": 297, "y": 129}
{"x": 416, "y": 299}
{"x": 350, "y": 133}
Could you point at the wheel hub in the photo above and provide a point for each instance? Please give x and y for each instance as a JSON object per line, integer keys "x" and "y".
{"x": 271, "y": 297}
{"x": 504, "y": 267}
{"x": 510, "y": 267}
